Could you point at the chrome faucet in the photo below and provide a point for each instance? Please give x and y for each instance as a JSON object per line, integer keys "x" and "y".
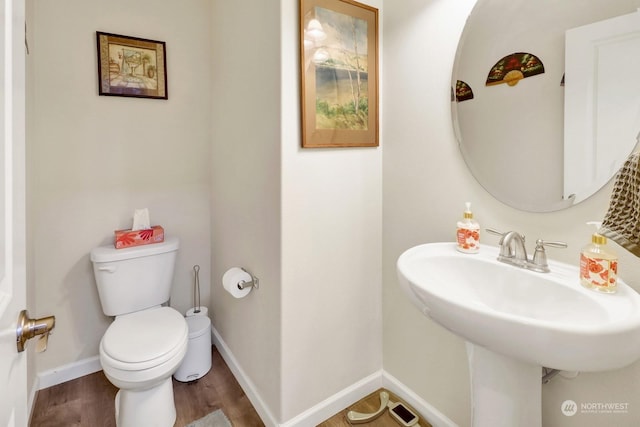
{"x": 513, "y": 251}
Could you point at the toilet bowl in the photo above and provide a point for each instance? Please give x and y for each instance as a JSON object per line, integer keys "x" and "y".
{"x": 147, "y": 341}
{"x": 139, "y": 353}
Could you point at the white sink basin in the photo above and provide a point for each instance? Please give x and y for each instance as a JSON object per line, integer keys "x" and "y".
{"x": 516, "y": 316}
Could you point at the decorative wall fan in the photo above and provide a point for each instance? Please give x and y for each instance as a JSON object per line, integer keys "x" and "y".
{"x": 513, "y": 68}
{"x": 463, "y": 91}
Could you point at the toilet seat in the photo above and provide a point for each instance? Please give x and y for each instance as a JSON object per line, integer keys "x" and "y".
{"x": 144, "y": 339}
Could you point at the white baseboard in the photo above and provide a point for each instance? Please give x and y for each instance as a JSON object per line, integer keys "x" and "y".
{"x": 247, "y": 385}
{"x": 333, "y": 404}
{"x": 336, "y": 403}
{"x": 312, "y": 416}
{"x": 68, "y": 372}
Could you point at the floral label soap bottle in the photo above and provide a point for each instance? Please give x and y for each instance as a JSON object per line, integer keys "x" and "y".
{"x": 468, "y": 234}
{"x": 598, "y": 264}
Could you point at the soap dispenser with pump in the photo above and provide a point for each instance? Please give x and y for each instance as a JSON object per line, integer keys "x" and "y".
{"x": 598, "y": 264}
{"x": 468, "y": 234}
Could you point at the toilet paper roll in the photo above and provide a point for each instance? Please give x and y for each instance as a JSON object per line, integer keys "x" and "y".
{"x": 204, "y": 311}
{"x": 232, "y": 278}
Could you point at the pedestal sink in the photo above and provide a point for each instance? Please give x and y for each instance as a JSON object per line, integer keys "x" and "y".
{"x": 516, "y": 321}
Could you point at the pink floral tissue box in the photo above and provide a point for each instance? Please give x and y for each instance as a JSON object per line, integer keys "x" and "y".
{"x": 129, "y": 238}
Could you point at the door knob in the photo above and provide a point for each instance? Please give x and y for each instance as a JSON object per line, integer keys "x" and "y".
{"x": 28, "y": 328}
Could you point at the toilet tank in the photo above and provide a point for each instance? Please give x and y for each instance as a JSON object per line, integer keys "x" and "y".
{"x": 134, "y": 279}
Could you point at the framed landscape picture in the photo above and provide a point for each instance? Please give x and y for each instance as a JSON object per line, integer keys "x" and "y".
{"x": 131, "y": 66}
{"x": 339, "y": 73}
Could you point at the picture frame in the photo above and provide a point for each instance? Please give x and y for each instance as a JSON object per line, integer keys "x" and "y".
{"x": 339, "y": 74}
{"x": 131, "y": 66}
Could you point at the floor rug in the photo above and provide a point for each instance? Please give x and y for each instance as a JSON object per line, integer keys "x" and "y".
{"x": 215, "y": 419}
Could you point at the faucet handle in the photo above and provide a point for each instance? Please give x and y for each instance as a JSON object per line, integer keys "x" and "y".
{"x": 539, "y": 260}
{"x": 494, "y": 231}
{"x": 554, "y": 244}
{"x": 501, "y": 234}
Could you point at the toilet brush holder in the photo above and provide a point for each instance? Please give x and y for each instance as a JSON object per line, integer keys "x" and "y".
{"x": 197, "y": 360}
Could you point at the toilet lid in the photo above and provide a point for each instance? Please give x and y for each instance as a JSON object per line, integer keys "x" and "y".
{"x": 145, "y": 335}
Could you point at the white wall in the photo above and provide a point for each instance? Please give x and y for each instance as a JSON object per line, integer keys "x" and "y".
{"x": 93, "y": 159}
{"x": 225, "y": 173}
{"x": 245, "y": 186}
{"x": 331, "y": 249}
{"x": 212, "y": 170}
{"x": 306, "y": 222}
{"x": 425, "y": 186}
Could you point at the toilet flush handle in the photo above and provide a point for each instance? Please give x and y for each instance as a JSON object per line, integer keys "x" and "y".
{"x": 108, "y": 268}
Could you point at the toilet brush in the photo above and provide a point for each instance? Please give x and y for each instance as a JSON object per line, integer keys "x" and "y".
{"x": 197, "y": 309}
{"x": 196, "y": 289}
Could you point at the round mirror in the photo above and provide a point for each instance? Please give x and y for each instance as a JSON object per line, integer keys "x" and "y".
{"x": 545, "y": 97}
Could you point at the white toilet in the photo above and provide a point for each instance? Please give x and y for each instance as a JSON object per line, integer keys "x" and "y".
{"x": 146, "y": 342}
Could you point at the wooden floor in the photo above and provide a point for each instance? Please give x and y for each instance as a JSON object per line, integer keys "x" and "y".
{"x": 89, "y": 402}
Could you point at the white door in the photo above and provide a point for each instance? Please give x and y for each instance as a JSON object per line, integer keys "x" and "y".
{"x": 13, "y": 370}
{"x": 602, "y": 101}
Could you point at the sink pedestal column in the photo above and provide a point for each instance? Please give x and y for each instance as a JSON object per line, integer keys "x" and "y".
{"x": 504, "y": 392}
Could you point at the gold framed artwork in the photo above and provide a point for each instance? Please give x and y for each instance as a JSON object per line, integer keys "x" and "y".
{"x": 131, "y": 66}
{"x": 339, "y": 73}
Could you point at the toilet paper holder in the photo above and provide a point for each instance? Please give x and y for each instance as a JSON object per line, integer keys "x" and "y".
{"x": 254, "y": 283}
